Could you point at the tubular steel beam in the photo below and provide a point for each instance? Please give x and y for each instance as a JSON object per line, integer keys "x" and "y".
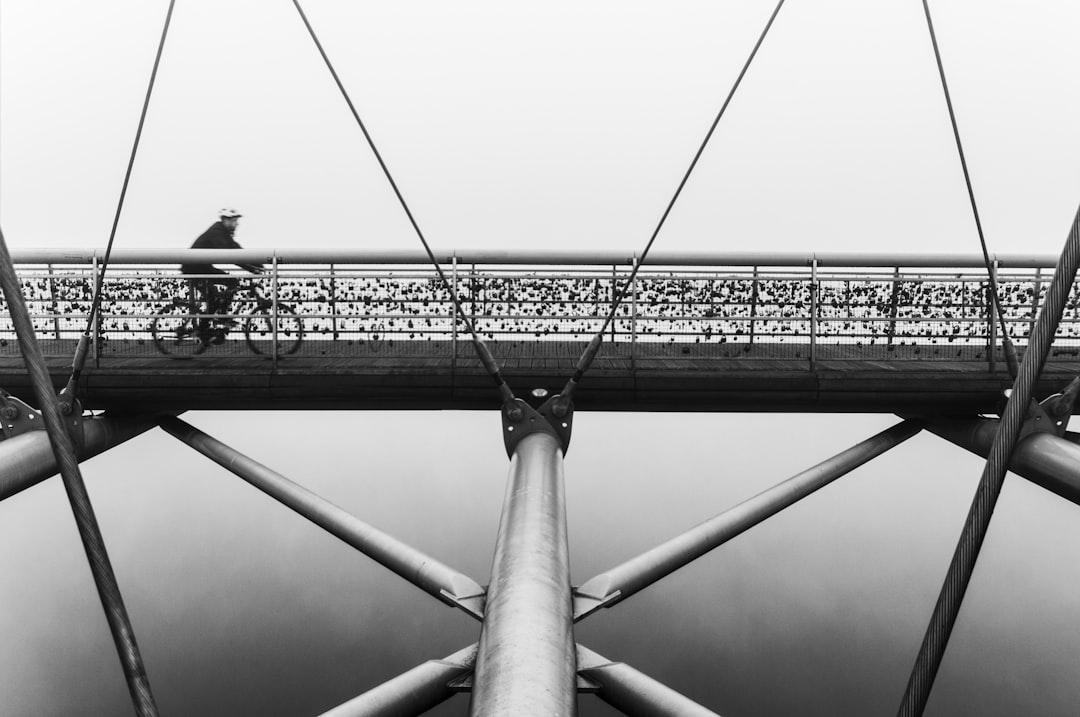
{"x": 557, "y": 258}
{"x": 413, "y": 692}
{"x": 1043, "y": 458}
{"x": 526, "y": 664}
{"x": 27, "y": 459}
{"x": 621, "y": 582}
{"x": 420, "y": 569}
{"x": 89, "y": 532}
{"x": 634, "y": 693}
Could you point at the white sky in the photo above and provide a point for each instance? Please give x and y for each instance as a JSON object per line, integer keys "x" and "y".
{"x": 550, "y": 125}
{"x": 563, "y": 124}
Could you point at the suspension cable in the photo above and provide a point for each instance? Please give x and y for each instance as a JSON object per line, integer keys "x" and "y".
{"x": 67, "y": 460}
{"x": 481, "y": 348}
{"x": 594, "y": 345}
{"x": 958, "y": 576}
{"x": 99, "y": 280}
{"x": 1007, "y": 344}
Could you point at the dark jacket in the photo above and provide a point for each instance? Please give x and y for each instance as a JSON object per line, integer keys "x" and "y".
{"x": 217, "y": 236}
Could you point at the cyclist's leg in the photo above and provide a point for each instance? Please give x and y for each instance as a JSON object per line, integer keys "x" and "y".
{"x": 207, "y": 292}
{"x": 227, "y": 288}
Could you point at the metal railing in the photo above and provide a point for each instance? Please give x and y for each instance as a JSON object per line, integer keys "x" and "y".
{"x": 680, "y": 306}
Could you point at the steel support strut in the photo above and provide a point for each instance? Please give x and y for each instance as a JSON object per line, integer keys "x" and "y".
{"x": 413, "y": 692}
{"x": 1046, "y": 460}
{"x": 526, "y": 664}
{"x": 27, "y": 459}
{"x": 620, "y": 582}
{"x": 65, "y": 452}
{"x": 634, "y": 693}
{"x": 420, "y": 569}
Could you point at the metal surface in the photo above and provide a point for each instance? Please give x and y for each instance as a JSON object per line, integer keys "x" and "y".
{"x": 621, "y": 582}
{"x": 483, "y": 256}
{"x": 412, "y": 692}
{"x": 555, "y": 418}
{"x": 526, "y": 663}
{"x": 420, "y": 569}
{"x": 27, "y": 459}
{"x": 634, "y": 693}
{"x": 1043, "y": 458}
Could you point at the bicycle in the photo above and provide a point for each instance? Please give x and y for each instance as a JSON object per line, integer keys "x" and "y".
{"x": 175, "y": 330}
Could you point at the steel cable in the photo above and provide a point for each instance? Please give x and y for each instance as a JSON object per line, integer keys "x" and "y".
{"x": 1010, "y": 350}
{"x": 481, "y": 348}
{"x": 958, "y": 576}
{"x": 594, "y": 345}
{"x": 67, "y": 460}
{"x": 99, "y": 281}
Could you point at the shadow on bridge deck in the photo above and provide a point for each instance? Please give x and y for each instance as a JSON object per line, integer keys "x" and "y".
{"x": 131, "y": 376}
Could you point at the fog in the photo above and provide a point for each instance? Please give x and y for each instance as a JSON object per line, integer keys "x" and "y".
{"x": 518, "y": 126}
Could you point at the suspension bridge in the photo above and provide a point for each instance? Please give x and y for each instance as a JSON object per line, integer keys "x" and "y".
{"x": 96, "y": 349}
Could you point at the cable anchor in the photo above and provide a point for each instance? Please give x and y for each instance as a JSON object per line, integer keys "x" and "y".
{"x": 18, "y": 417}
{"x": 1052, "y": 414}
{"x": 555, "y": 416}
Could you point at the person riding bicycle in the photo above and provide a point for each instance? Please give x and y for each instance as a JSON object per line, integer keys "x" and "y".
{"x": 217, "y": 291}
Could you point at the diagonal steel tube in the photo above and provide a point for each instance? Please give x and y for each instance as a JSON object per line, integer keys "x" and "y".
{"x": 420, "y": 569}
{"x": 1043, "y": 458}
{"x": 411, "y": 693}
{"x": 526, "y": 664}
{"x": 634, "y": 693}
{"x": 27, "y": 459}
{"x": 639, "y": 572}
{"x": 89, "y": 532}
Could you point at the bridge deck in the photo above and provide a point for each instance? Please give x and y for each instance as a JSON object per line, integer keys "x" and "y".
{"x": 428, "y": 377}
{"x": 705, "y": 333}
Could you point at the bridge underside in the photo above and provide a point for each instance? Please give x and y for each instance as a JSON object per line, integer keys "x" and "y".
{"x": 222, "y": 380}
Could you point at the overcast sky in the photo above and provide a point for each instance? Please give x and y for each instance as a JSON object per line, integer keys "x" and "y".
{"x": 531, "y": 126}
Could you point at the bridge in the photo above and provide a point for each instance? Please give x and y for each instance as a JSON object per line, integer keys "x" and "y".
{"x": 710, "y": 332}
{"x": 97, "y": 348}
{"x": 906, "y": 334}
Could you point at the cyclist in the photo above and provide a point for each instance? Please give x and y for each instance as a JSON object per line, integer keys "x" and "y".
{"x": 217, "y": 291}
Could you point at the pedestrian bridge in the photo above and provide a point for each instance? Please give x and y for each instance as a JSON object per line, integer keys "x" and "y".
{"x": 695, "y": 331}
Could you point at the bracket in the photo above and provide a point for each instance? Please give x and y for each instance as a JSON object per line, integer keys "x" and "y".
{"x": 18, "y": 417}
{"x": 465, "y": 684}
{"x": 472, "y": 605}
{"x": 555, "y": 417}
{"x": 1052, "y": 415}
{"x": 586, "y": 604}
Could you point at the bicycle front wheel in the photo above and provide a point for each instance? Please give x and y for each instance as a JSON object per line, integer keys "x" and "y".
{"x": 259, "y": 332}
{"x": 175, "y": 331}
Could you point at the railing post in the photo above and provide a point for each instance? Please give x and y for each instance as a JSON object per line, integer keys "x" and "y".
{"x": 453, "y": 312}
{"x": 813, "y": 311}
{"x": 274, "y": 309}
{"x": 1035, "y": 299}
{"x": 991, "y": 318}
{"x": 53, "y": 304}
{"x": 894, "y": 308}
{"x": 333, "y": 304}
{"x": 614, "y": 281}
{"x": 753, "y": 304}
{"x": 633, "y": 310}
{"x": 96, "y": 328}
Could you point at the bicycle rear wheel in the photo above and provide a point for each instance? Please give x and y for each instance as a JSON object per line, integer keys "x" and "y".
{"x": 175, "y": 331}
{"x": 259, "y": 331}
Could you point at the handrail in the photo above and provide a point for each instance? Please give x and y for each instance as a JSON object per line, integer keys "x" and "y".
{"x": 552, "y": 258}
